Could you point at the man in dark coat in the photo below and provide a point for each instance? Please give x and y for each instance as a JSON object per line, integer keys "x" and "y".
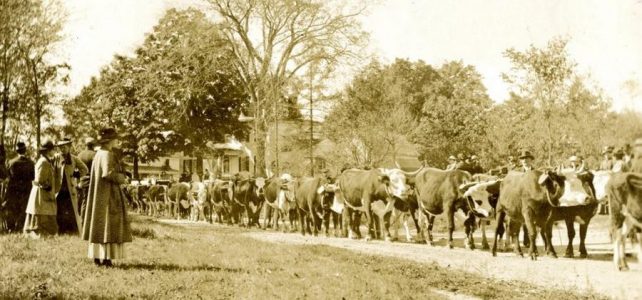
{"x": 21, "y": 173}
{"x": 87, "y": 157}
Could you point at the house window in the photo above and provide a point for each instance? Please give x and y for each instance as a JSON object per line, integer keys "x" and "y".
{"x": 245, "y": 164}
{"x": 226, "y": 164}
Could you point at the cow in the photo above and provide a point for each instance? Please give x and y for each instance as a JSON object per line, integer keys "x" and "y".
{"x": 249, "y": 195}
{"x": 221, "y": 193}
{"x": 528, "y": 198}
{"x": 361, "y": 191}
{"x": 625, "y": 201}
{"x": 280, "y": 193}
{"x": 313, "y": 198}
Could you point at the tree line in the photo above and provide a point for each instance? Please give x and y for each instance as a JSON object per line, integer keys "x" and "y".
{"x": 553, "y": 111}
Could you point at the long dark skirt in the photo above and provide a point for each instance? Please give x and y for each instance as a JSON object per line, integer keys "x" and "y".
{"x": 65, "y": 215}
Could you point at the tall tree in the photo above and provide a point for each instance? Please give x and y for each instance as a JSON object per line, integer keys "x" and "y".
{"x": 178, "y": 92}
{"x": 274, "y": 40}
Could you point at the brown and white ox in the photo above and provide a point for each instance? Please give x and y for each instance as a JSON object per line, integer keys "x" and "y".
{"x": 528, "y": 198}
{"x": 221, "y": 194}
{"x": 438, "y": 192}
{"x": 483, "y": 197}
{"x": 280, "y": 198}
{"x": 625, "y": 200}
{"x": 370, "y": 191}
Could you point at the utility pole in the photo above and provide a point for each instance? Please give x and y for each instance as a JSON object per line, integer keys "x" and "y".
{"x": 311, "y": 132}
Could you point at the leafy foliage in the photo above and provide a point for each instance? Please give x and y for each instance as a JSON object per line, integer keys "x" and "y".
{"x": 177, "y": 93}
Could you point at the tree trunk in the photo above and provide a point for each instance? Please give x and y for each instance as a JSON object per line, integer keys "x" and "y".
{"x": 5, "y": 110}
{"x": 136, "y": 176}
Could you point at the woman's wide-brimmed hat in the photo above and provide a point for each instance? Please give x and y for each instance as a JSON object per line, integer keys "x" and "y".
{"x": 107, "y": 134}
{"x": 64, "y": 141}
{"x": 452, "y": 157}
{"x": 526, "y": 154}
{"x": 46, "y": 146}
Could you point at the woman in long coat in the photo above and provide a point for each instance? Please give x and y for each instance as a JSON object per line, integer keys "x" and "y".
{"x": 106, "y": 226}
{"x": 41, "y": 208}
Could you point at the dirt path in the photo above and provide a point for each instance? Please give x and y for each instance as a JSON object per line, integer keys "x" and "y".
{"x": 587, "y": 275}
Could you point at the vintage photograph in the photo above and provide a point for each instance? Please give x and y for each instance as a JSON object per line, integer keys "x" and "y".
{"x": 320, "y": 149}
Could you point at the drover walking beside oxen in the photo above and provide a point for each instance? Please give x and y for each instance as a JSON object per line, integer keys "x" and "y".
{"x": 106, "y": 226}
{"x": 66, "y": 164}
{"x": 21, "y": 173}
{"x": 41, "y": 208}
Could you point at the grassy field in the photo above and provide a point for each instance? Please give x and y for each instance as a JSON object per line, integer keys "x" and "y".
{"x": 210, "y": 262}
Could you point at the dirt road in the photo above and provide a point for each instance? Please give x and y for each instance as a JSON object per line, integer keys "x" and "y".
{"x": 591, "y": 275}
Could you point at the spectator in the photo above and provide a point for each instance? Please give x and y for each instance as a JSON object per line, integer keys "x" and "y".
{"x": 105, "y": 226}
{"x": 619, "y": 165}
{"x": 40, "y": 217}
{"x": 21, "y": 173}
{"x": 452, "y": 163}
{"x": 607, "y": 162}
{"x": 526, "y": 160}
{"x": 65, "y": 165}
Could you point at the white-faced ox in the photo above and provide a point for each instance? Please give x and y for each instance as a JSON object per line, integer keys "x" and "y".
{"x": 361, "y": 189}
{"x": 625, "y": 200}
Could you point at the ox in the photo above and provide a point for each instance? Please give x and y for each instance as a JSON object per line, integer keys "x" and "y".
{"x": 280, "y": 197}
{"x": 483, "y": 197}
{"x": 360, "y": 189}
{"x": 625, "y": 200}
{"x": 438, "y": 191}
{"x": 528, "y": 198}
{"x": 249, "y": 195}
{"x": 313, "y": 198}
{"x": 179, "y": 197}
{"x": 156, "y": 196}
{"x": 221, "y": 193}
{"x": 577, "y": 204}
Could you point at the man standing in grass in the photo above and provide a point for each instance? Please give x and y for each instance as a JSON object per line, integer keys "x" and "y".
{"x": 21, "y": 173}
{"x": 106, "y": 226}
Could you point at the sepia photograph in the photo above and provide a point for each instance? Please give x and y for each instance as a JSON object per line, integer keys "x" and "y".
{"x": 320, "y": 149}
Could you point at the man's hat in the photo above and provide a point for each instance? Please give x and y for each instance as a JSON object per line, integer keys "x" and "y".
{"x": 452, "y": 157}
{"x": 638, "y": 142}
{"x": 573, "y": 159}
{"x": 90, "y": 141}
{"x": 607, "y": 149}
{"x": 21, "y": 147}
{"x": 64, "y": 141}
{"x": 46, "y": 146}
{"x": 107, "y": 134}
{"x": 473, "y": 157}
{"x": 526, "y": 154}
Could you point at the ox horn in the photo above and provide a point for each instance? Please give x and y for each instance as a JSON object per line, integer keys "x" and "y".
{"x": 410, "y": 174}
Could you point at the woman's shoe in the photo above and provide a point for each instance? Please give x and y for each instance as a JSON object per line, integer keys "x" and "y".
{"x": 107, "y": 263}
{"x": 97, "y": 262}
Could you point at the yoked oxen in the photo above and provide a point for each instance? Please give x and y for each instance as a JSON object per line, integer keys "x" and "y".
{"x": 249, "y": 194}
{"x": 314, "y": 195}
{"x": 221, "y": 194}
{"x": 528, "y": 198}
{"x": 440, "y": 191}
{"x": 360, "y": 190}
{"x": 625, "y": 200}
{"x": 280, "y": 197}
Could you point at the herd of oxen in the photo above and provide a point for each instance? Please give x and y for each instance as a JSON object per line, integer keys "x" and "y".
{"x": 528, "y": 201}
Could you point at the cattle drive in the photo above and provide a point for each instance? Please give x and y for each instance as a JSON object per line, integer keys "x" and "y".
{"x": 517, "y": 199}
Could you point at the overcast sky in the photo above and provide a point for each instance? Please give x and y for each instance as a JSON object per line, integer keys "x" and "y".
{"x": 606, "y": 36}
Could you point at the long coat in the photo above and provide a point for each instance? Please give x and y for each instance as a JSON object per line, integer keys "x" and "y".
{"x": 67, "y": 170}
{"x": 21, "y": 173}
{"x": 105, "y": 215}
{"x": 42, "y": 199}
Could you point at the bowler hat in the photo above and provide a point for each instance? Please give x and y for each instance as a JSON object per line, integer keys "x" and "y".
{"x": 64, "y": 141}
{"x": 21, "y": 147}
{"x": 526, "y": 154}
{"x": 107, "y": 134}
{"x": 46, "y": 146}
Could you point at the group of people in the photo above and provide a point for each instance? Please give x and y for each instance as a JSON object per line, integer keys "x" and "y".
{"x": 62, "y": 193}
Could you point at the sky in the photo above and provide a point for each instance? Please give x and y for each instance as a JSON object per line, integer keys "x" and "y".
{"x": 605, "y": 36}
